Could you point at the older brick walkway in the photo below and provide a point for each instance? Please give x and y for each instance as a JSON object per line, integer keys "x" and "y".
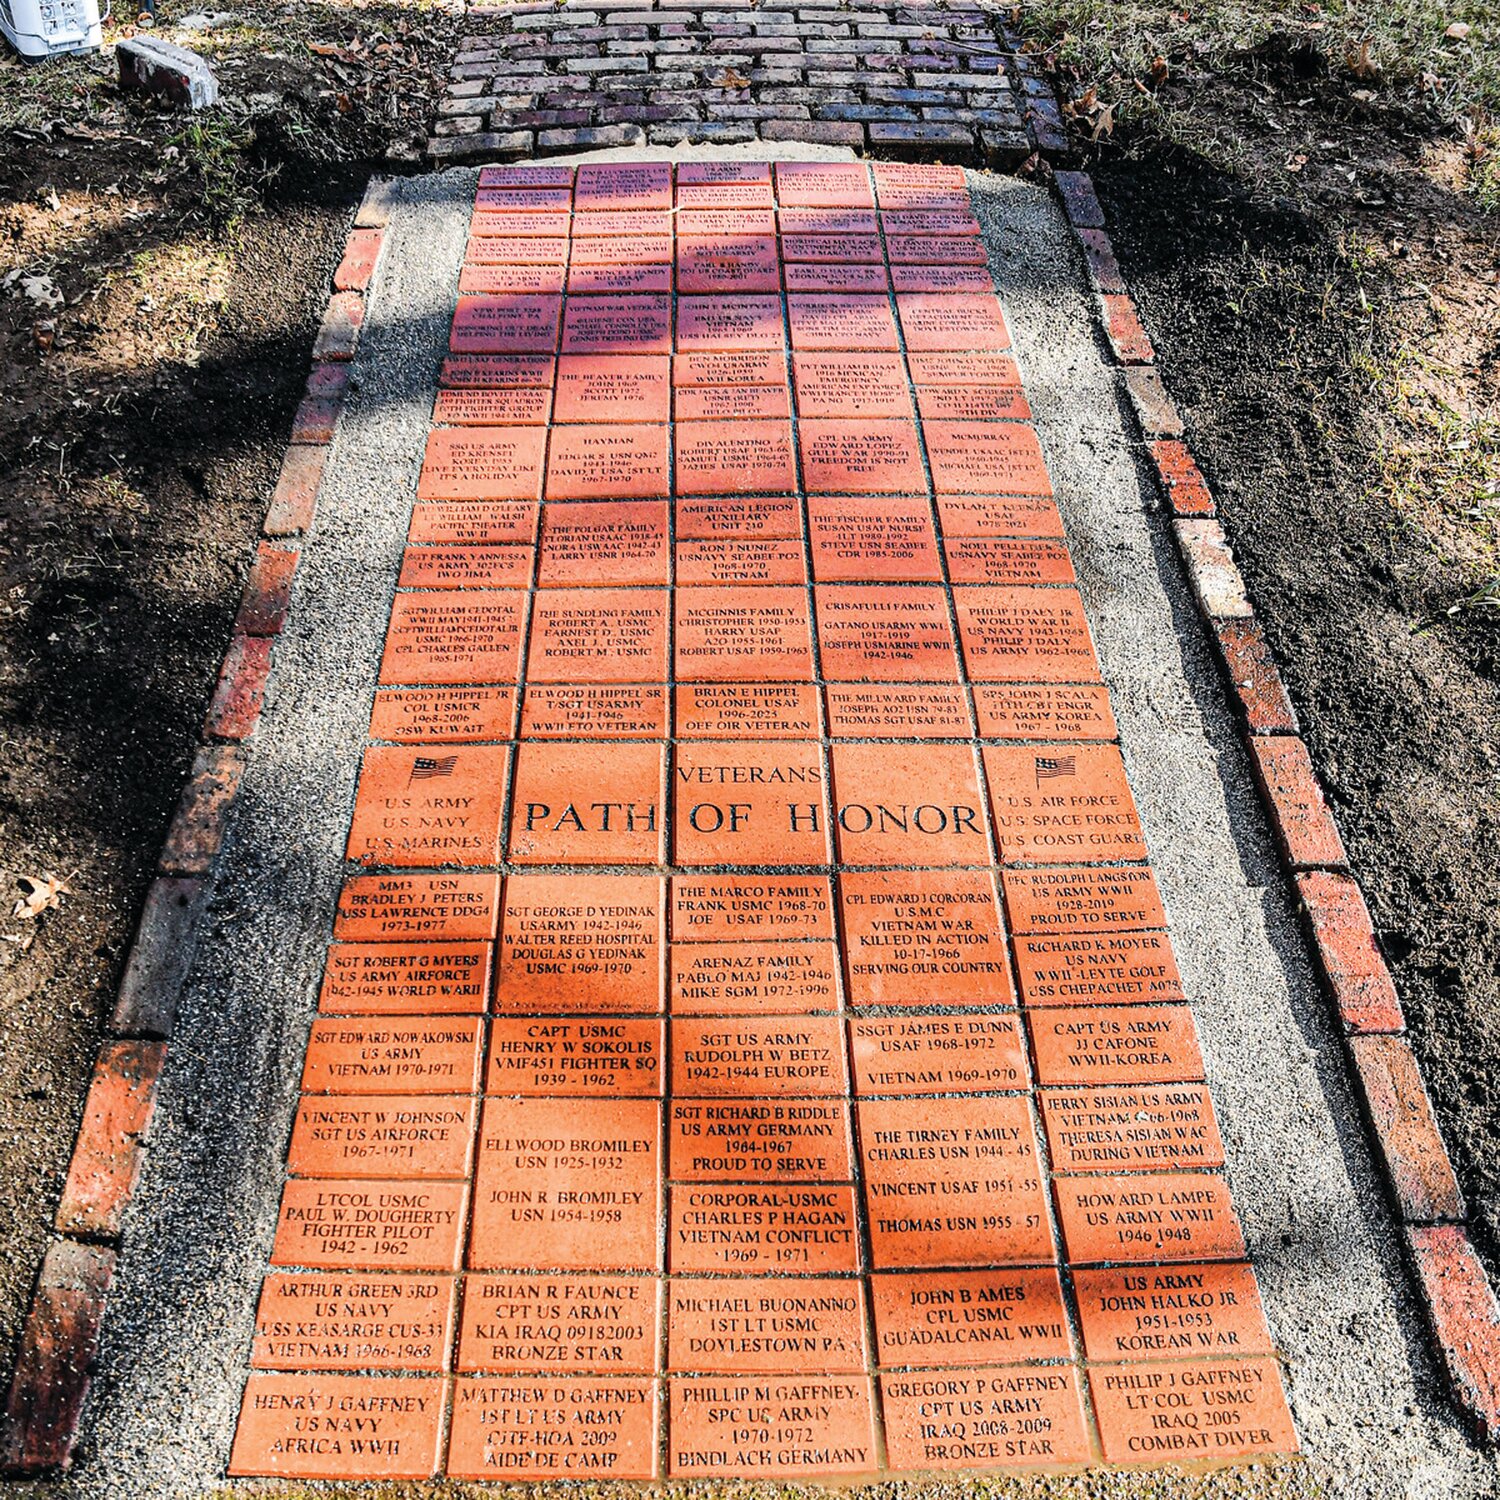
{"x": 920, "y": 79}
{"x": 751, "y": 1044}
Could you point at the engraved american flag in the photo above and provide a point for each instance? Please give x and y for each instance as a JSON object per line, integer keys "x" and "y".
{"x": 425, "y": 767}
{"x": 1048, "y": 766}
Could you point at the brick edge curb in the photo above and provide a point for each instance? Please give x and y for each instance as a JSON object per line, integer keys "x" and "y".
{"x": 60, "y": 1337}
{"x": 1459, "y": 1303}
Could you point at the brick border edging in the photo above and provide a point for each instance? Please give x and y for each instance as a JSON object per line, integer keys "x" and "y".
{"x": 1458, "y": 1300}
{"x": 60, "y": 1338}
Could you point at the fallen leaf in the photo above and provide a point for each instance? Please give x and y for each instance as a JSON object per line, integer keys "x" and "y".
{"x": 1104, "y": 124}
{"x": 1159, "y": 72}
{"x": 39, "y": 893}
{"x": 1458, "y": 31}
{"x": 1359, "y": 61}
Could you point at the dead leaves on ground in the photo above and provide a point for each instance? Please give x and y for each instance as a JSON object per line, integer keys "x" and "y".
{"x": 39, "y": 893}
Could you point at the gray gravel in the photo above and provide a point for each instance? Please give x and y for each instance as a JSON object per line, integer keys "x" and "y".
{"x": 1368, "y": 1404}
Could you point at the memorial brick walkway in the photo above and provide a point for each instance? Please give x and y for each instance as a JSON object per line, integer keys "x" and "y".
{"x": 751, "y": 1043}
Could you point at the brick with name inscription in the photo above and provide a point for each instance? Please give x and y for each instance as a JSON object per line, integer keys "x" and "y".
{"x": 525, "y": 176}
{"x": 539, "y": 223}
{"x": 911, "y": 278}
{"x": 516, "y": 324}
{"x": 1116, "y": 1044}
{"x": 639, "y": 324}
{"x": 969, "y": 1318}
{"x": 631, "y": 388}
{"x": 1098, "y": 969}
{"x": 584, "y": 1325}
{"x": 620, "y": 224}
{"x": 759, "y": 1140}
{"x": 515, "y": 249}
{"x": 594, "y": 711}
{"x": 818, "y": 276}
{"x": 598, "y": 635}
{"x": 739, "y": 561}
{"x": 1171, "y": 1312}
{"x": 823, "y": 185}
{"x": 936, "y": 249}
{"x": 1008, "y": 560}
{"x": 703, "y": 216}
{"x": 753, "y": 978}
{"x": 976, "y": 403}
{"x": 774, "y": 516}
{"x": 832, "y": 249}
{"x": 613, "y": 542}
{"x": 1099, "y": 900}
{"x": 524, "y": 197}
{"x": 522, "y": 406}
{"x": 897, "y": 711}
{"x": 569, "y": 1057}
{"x": 729, "y": 367}
{"x": 473, "y": 523}
{"x": 617, "y": 251}
{"x": 1043, "y": 711}
{"x": 1024, "y": 634}
{"x": 532, "y": 1427}
{"x": 567, "y": 1184}
{"x": 762, "y": 1229}
{"x": 952, "y": 1182}
{"x": 744, "y": 634}
{"x": 588, "y": 804}
{"x": 732, "y": 403}
{"x": 392, "y": 1055}
{"x": 946, "y": 219}
{"x": 858, "y": 457}
{"x": 998, "y": 515}
{"x": 587, "y": 278}
{"x": 377, "y": 1225}
{"x": 309, "y": 1321}
{"x": 943, "y": 321}
{"x": 827, "y": 221}
{"x": 484, "y": 463}
{"x": 582, "y": 944}
{"x": 423, "y": 1136}
{"x": 754, "y": 1056}
{"x": 1148, "y": 1217}
{"x": 1178, "y": 1412}
{"x": 868, "y": 633}
{"x": 838, "y": 321}
{"x": 1022, "y": 1416}
{"x": 751, "y": 1325}
{"x": 598, "y": 461}
{"x": 300, "y": 1426}
{"x": 924, "y": 937}
{"x": 496, "y": 371}
{"x": 623, "y": 185}
{"x": 919, "y": 1055}
{"x": 505, "y": 567}
{"x": 1149, "y": 1127}
{"x": 747, "y": 710}
{"x": 749, "y": 908}
{"x": 466, "y": 636}
{"x": 402, "y": 908}
{"x": 403, "y": 979}
{"x": 743, "y": 262}
{"x": 862, "y": 541}
{"x": 730, "y": 322}
{"x": 850, "y": 383}
{"x": 986, "y": 458}
{"x": 727, "y": 458}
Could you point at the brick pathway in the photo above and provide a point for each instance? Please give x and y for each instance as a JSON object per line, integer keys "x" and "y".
{"x": 921, "y": 79}
{"x": 752, "y": 1045}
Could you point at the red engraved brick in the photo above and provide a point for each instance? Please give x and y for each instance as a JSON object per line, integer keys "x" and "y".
{"x": 1304, "y": 826}
{"x": 586, "y": 1058}
{"x": 717, "y": 403}
{"x": 1348, "y": 953}
{"x": 838, "y": 321}
{"x": 497, "y": 371}
{"x": 1127, "y": 336}
{"x": 385, "y": 1224}
{"x": 510, "y": 219}
{"x": 400, "y": 1136}
{"x": 730, "y": 323}
{"x": 392, "y": 1055}
{"x": 743, "y": 635}
{"x": 751, "y": 1325}
{"x": 235, "y": 708}
{"x": 917, "y": 278}
{"x": 587, "y": 278}
{"x": 294, "y": 500}
{"x": 107, "y": 1155}
{"x": 1143, "y": 1218}
{"x": 639, "y": 324}
{"x": 498, "y": 249}
{"x": 754, "y": 978}
{"x": 614, "y": 250}
{"x": 1406, "y": 1133}
{"x": 861, "y": 457}
{"x": 1175, "y": 1412}
{"x": 924, "y": 937}
{"x": 1043, "y": 711}
{"x": 936, "y": 250}
{"x": 516, "y": 406}
{"x": 626, "y": 461}
{"x": 1253, "y": 676}
{"x": 730, "y": 1426}
{"x": 969, "y": 1317}
{"x": 1115, "y": 1044}
{"x": 567, "y": 1184}
{"x": 943, "y": 321}
{"x": 588, "y": 804}
{"x": 613, "y": 388}
{"x": 299, "y": 1426}
{"x": 1062, "y": 805}
{"x": 756, "y": 1056}
{"x": 1147, "y": 1128}
{"x": 920, "y": 1055}
{"x": 515, "y": 324}
{"x": 718, "y": 908}
{"x": 589, "y": 1325}
{"x": 198, "y": 825}
{"x": 809, "y": 276}
{"x": 998, "y": 515}
{"x": 416, "y": 809}
{"x": 268, "y": 590}
{"x": 309, "y": 1321}
{"x": 1024, "y": 634}
{"x": 851, "y": 384}
{"x": 506, "y": 279}
{"x": 832, "y": 249}
{"x": 405, "y": 979}
{"x": 485, "y": 463}
{"x": 1171, "y": 1312}
{"x": 735, "y": 1140}
{"x": 980, "y": 1202}
{"x": 594, "y": 711}
{"x": 727, "y": 262}
{"x": 586, "y": 944}
{"x": 823, "y": 185}
{"x": 726, "y": 458}
{"x": 527, "y": 177}
{"x": 924, "y": 1430}
{"x": 613, "y": 542}
{"x": 623, "y": 185}
{"x": 1080, "y": 900}
{"x": 729, "y": 367}
{"x": 466, "y": 568}
{"x": 455, "y": 636}
{"x": 775, "y": 1229}
{"x": 938, "y": 368}
{"x": 897, "y": 711}
{"x": 598, "y": 635}
{"x": 747, "y": 710}
{"x": 827, "y": 221}
{"x": 912, "y": 805}
{"x": 1008, "y": 560}
{"x": 975, "y": 403}
{"x": 404, "y": 908}
{"x": 739, "y": 802}
{"x": 778, "y": 516}
{"x": 1098, "y": 969}
{"x": 887, "y": 541}
{"x": 1465, "y": 1318}
{"x": 986, "y": 458}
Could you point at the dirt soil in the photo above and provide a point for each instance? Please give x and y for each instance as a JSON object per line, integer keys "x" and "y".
{"x": 169, "y": 278}
{"x": 1329, "y": 327}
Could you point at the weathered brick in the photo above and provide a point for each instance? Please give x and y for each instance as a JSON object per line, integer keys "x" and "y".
{"x": 1154, "y": 409}
{"x": 1253, "y": 677}
{"x": 1187, "y": 490}
{"x": 548, "y": 119}
{"x": 56, "y": 1358}
{"x": 374, "y": 211}
{"x": 822, "y": 132}
{"x": 721, "y": 132}
{"x": 487, "y": 145}
{"x": 588, "y": 139}
{"x": 458, "y": 125}
{"x": 1304, "y": 826}
{"x": 607, "y": 65}
{"x": 1211, "y": 570}
{"x": 1099, "y": 256}
{"x": 338, "y": 335}
{"x": 318, "y": 412}
{"x": 294, "y": 501}
{"x": 234, "y": 710}
{"x": 166, "y": 940}
{"x": 906, "y": 139}
{"x": 1126, "y": 333}
{"x": 1079, "y": 200}
{"x": 1406, "y": 1133}
{"x": 1348, "y": 953}
{"x": 1465, "y": 1319}
{"x": 197, "y": 829}
{"x": 1004, "y": 148}
{"x": 865, "y": 112}
{"x": 268, "y": 590}
{"x": 107, "y": 1155}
